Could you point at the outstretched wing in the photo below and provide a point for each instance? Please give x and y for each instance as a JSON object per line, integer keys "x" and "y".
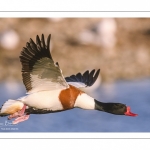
{"x": 39, "y": 71}
{"x": 85, "y": 80}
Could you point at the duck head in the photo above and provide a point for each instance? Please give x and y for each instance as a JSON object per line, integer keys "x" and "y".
{"x": 114, "y": 108}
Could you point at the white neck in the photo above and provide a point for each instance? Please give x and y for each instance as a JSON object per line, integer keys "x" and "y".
{"x": 84, "y": 101}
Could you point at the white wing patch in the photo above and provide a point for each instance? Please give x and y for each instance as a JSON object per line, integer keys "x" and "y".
{"x": 77, "y": 84}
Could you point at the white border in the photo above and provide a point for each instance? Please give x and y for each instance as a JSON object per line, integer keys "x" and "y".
{"x": 98, "y": 135}
{"x": 78, "y": 5}
{"x": 78, "y": 144}
{"x": 75, "y": 5}
{"x": 74, "y": 14}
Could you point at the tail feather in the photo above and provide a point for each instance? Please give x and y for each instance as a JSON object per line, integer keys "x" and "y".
{"x": 10, "y": 107}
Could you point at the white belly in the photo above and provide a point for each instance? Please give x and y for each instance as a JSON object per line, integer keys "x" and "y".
{"x": 44, "y": 100}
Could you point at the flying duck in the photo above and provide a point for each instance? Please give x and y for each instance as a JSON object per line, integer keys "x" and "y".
{"x": 48, "y": 91}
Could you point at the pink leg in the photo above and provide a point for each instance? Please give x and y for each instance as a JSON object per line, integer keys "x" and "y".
{"x": 20, "y": 119}
{"x": 21, "y": 112}
{"x": 18, "y": 114}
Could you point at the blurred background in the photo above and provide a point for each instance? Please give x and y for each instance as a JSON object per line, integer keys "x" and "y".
{"x": 120, "y": 47}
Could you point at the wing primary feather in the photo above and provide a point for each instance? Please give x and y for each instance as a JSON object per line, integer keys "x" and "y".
{"x": 32, "y": 44}
{"x": 48, "y": 46}
{"x": 26, "y": 50}
{"x": 43, "y": 41}
{"x": 79, "y": 76}
{"x": 43, "y": 46}
{"x": 91, "y": 77}
{"x": 73, "y": 77}
{"x": 28, "y": 46}
{"x": 48, "y": 42}
{"x": 88, "y": 78}
{"x": 27, "y": 53}
{"x": 38, "y": 42}
{"x": 96, "y": 75}
{"x": 38, "y": 67}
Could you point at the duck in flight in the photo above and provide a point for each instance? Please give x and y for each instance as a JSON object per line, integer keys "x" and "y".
{"x": 48, "y": 91}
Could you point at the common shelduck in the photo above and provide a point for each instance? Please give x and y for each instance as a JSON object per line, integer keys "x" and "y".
{"x": 47, "y": 89}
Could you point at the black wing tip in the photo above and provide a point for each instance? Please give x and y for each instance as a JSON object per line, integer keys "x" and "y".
{"x": 30, "y": 39}
{"x": 91, "y": 76}
{"x": 99, "y": 70}
{"x": 91, "y": 72}
{"x": 27, "y": 44}
{"x": 95, "y": 76}
{"x": 43, "y": 37}
{"x": 48, "y": 41}
{"x": 37, "y": 37}
{"x": 34, "y": 51}
{"x": 88, "y": 77}
{"x": 40, "y": 42}
{"x": 49, "y": 36}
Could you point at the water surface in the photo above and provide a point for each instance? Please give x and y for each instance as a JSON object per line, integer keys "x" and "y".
{"x": 135, "y": 94}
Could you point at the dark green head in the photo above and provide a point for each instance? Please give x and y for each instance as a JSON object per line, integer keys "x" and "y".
{"x": 114, "y": 108}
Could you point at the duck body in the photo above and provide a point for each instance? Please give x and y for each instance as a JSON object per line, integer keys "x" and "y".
{"x": 47, "y": 100}
{"x": 57, "y": 100}
{"x": 49, "y": 91}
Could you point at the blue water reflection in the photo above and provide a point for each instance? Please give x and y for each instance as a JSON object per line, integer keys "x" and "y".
{"x": 135, "y": 94}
